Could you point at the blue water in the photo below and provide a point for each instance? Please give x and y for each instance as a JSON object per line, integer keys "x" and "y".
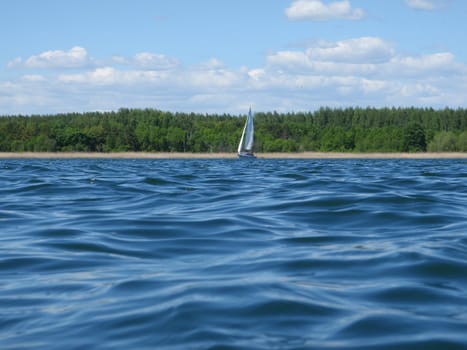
{"x": 232, "y": 254}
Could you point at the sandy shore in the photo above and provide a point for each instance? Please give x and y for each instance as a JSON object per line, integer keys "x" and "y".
{"x": 304, "y": 155}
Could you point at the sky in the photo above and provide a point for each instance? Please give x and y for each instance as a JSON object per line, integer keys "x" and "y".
{"x": 222, "y": 56}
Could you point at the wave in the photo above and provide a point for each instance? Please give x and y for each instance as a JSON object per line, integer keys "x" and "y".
{"x": 224, "y": 254}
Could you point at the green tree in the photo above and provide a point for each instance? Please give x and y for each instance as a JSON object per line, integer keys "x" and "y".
{"x": 444, "y": 141}
{"x": 462, "y": 142}
{"x": 414, "y": 138}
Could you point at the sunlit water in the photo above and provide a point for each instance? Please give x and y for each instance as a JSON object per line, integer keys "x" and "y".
{"x": 233, "y": 254}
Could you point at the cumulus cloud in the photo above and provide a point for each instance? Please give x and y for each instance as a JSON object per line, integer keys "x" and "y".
{"x": 110, "y": 76}
{"x": 352, "y": 55}
{"x": 316, "y": 10}
{"x": 360, "y": 71}
{"x": 208, "y": 75}
{"x": 441, "y": 62}
{"x": 76, "y": 57}
{"x": 213, "y": 77}
{"x": 426, "y": 5}
{"x": 366, "y": 56}
{"x": 364, "y": 49}
{"x": 155, "y": 61}
{"x": 148, "y": 61}
{"x": 33, "y": 78}
{"x": 363, "y": 71}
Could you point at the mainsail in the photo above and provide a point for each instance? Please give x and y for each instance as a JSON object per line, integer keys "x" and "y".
{"x": 245, "y": 147}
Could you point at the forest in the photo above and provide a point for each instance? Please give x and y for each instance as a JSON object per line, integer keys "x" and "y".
{"x": 326, "y": 130}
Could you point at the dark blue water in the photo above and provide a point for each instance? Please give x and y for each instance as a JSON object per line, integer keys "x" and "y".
{"x": 231, "y": 254}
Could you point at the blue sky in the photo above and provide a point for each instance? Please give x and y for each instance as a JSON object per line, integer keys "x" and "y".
{"x": 221, "y": 56}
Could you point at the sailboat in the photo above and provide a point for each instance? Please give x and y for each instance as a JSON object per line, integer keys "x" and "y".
{"x": 245, "y": 147}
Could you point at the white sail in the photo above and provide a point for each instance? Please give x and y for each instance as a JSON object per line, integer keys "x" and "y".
{"x": 240, "y": 145}
{"x": 246, "y": 141}
{"x": 250, "y": 131}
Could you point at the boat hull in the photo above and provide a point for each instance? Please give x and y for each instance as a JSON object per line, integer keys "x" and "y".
{"x": 246, "y": 155}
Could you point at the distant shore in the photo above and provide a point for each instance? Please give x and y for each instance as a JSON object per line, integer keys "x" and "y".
{"x": 174, "y": 155}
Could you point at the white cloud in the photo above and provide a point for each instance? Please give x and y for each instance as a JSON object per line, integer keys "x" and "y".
{"x": 99, "y": 76}
{"x": 352, "y": 56}
{"x": 76, "y": 57}
{"x": 359, "y": 71}
{"x": 147, "y": 60}
{"x": 427, "y": 5}
{"x": 365, "y": 49}
{"x": 290, "y": 60}
{"x": 155, "y": 61}
{"x": 212, "y": 78}
{"x": 442, "y": 62}
{"x": 367, "y": 56}
{"x": 111, "y": 76}
{"x": 316, "y": 10}
{"x": 374, "y": 86}
{"x": 212, "y": 63}
{"x": 17, "y": 62}
{"x": 256, "y": 74}
{"x": 33, "y": 78}
{"x": 120, "y": 60}
{"x": 363, "y": 71}
{"x": 209, "y": 75}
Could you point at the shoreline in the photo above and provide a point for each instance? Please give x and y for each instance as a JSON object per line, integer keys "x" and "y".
{"x": 176, "y": 155}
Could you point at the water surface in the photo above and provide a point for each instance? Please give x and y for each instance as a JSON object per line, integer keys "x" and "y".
{"x": 232, "y": 254}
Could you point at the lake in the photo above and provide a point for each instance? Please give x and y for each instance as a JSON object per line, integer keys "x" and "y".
{"x": 233, "y": 254}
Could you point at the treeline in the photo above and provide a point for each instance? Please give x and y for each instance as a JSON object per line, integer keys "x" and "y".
{"x": 149, "y": 130}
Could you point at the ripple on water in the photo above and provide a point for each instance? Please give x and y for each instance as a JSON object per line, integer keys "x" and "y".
{"x": 224, "y": 254}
